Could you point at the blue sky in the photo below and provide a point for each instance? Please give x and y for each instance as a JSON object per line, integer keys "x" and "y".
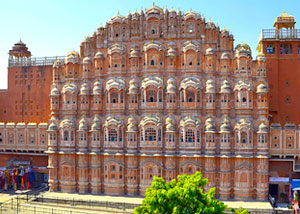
{"x": 54, "y": 27}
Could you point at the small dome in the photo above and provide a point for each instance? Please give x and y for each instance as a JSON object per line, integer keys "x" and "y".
{"x": 99, "y": 55}
{"x": 87, "y": 60}
{"x": 225, "y": 127}
{"x": 133, "y": 53}
{"x": 72, "y": 57}
{"x": 225, "y": 56}
{"x": 84, "y": 90}
{"x": 210, "y": 86}
{"x": 171, "y": 52}
{"x": 170, "y": 127}
{"x": 58, "y": 64}
{"x": 171, "y": 88}
{"x": 261, "y": 57}
{"x": 262, "y": 128}
{"x": 83, "y": 125}
{"x": 97, "y": 88}
{"x": 262, "y": 88}
{"x": 172, "y": 11}
{"x": 224, "y": 32}
{"x": 52, "y": 126}
{"x": 210, "y": 125}
{"x": 209, "y": 51}
{"x": 131, "y": 125}
{"x": 133, "y": 89}
{"x": 210, "y": 25}
{"x": 225, "y": 87}
{"x": 54, "y": 91}
{"x": 96, "y": 124}
{"x": 242, "y": 50}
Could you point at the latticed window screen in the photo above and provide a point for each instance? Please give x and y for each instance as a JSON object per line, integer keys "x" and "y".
{"x": 190, "y": 136}
{"x": 151, "y": 96}
{"x": 112, "y": 135}
{"x": 150, "y": 134}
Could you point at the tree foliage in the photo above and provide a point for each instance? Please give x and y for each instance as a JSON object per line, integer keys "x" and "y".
{"x": 184, "y": 195}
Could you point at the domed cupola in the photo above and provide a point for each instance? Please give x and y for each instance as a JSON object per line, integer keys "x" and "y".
{"x": 83, "y": 124}
{"x": 87, "y": 60}
{"x": 210, "y": 51}
{"x": 225, "y": 127}
{"x": 210, "y": 86}
{"x": 262, "y": 88}
{"x": 72, "y": 57}
{"x": 58, "y": 64}
{"x": 225, "y": 87}
{"x": 52, "y": 126}
{"x": 134, "y": 53}
{"x": 99, "y": 55}
{"x": 97, "y": 88}
{"x": 131, "y": 125}
{"x": 262, "y": 128}
{"x": 170, "y": 127}
{"x": 133, "y": 89}
{"x": 224, "y": 32}
{"x": 54, "y": 91}
{"x": 210, "y": 125}
{"x": 171, "y": 52}
{"x": 84, "y": 90}
{"x": 96, "y": 124}
{"x": 171, "y": 88}
{"x": 225, "y": 56}
{"x": 242, "y": 50}
{"x": 261, "y": 57}
{"x": 210, "y": 25}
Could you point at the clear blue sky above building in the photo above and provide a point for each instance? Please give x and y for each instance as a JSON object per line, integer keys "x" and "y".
{"x": 54, "y": 27}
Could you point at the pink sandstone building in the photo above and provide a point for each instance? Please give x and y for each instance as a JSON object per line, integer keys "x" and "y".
{"x": 159, "y": 93}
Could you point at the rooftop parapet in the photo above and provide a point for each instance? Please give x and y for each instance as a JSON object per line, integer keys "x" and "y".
{"x": 281, "y": 34}
{"x": 37, "y": 61}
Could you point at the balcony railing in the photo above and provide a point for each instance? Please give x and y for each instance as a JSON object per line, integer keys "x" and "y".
{"x": 37, "y": 61}
{"x": 284, "y": 34}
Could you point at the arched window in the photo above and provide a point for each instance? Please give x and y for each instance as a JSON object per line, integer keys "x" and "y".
{"x": 114, "y": 97}
{"x": 152, "y": 62}
{"x": 190, "y": 136}
{"x": 151, "y": 96}
{"x": 190, "y": 96}
{"x": 150, "y": 134}
{"x": 244, "y": 137}
{"x": 112, "y": 135}
{"x": 66, "y": 135}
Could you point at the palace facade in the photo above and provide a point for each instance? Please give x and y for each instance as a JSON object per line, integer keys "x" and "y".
{"x": 159, "y": 93}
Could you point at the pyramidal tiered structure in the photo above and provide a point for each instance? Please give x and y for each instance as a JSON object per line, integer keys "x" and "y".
{"x": 159, "y": 93}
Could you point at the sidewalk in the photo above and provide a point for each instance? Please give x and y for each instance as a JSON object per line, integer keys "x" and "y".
{"x": 250, "y": 205}
{"x": 120, "y": 199}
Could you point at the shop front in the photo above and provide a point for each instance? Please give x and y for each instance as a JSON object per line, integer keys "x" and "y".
{"x": 279, "y": 189}
{"x": 22, "y": 175}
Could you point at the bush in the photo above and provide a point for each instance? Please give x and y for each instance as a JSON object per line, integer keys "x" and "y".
{"x": 184, "y": 195}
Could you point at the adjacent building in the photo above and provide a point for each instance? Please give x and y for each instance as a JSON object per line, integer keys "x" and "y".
{"x": 281, "y": 46}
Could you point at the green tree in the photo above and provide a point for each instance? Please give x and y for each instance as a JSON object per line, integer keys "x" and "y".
{"x": 184, "y": 195}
